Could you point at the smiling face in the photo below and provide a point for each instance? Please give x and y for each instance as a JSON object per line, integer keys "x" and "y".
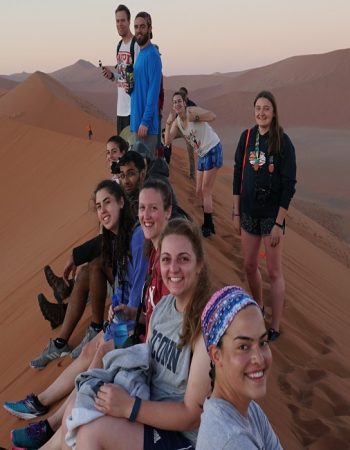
{"x": 243, "y": 360}
{"x": 108, "y": 210}
{"x": 264, "y": 114}
{"x": 179, "y": 266}
{"x": 113, "y": 152}
{"x": 179, "y": 105}
{"x": 122, "y": 23}
{"x": 130, "y": 177}
{"x": 152, "y": 215}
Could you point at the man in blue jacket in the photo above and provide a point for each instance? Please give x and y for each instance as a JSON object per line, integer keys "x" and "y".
{"x": 147, "y": 77}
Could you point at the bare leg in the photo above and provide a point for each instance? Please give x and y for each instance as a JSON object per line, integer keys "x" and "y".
{"x": 250, "y": 250}
{"x": 111, "y": 433}
{"x": 64, "y": 384}
{"x": 274, "y": 268}
{"x": 77, "y": 304}
{"x": 98, "y": 276}
{"x": 199, "y": 179}
{"x": 190, "y": 160}
{"x": 207, "y": 189}
{"x": 100, "y": 352}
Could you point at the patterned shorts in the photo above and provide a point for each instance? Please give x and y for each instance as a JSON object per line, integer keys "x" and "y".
{"x": 258, "y": 227}
{"x": 212, "y": 159}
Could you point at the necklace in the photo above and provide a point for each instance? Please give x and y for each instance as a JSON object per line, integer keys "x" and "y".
{"x": 258, "y": 159}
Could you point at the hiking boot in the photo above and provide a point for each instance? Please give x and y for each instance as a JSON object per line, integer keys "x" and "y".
{"x": 60, "y": 289}
{"x": 29, "y": 408}
{"x": 52, "y": 312}
{"x": 50, "y": 353}
{"x": 208, "y": 230}
{"x": 32, "y": 436}
{"x": 89, "y": 334}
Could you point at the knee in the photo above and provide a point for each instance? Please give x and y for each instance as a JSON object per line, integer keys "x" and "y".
{"x": 83, "y": 274}
{"x": 95, "y": 264}
{"x": 275, "y": 273}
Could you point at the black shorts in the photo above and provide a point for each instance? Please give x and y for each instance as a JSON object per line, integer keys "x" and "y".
{"x": 165, "y": 440}
{"x": 258, "y": 227}
{"x": 122, "y": 122}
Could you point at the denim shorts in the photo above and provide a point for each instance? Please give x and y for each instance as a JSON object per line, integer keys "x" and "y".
{"x": 258, "y": 227}
{"x": 212, "y": 159}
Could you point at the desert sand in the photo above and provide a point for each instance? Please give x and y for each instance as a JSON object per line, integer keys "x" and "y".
{"x": 48, "y": 172}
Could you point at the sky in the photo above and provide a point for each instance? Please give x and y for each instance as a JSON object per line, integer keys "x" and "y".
{"x": 194, "y": 36}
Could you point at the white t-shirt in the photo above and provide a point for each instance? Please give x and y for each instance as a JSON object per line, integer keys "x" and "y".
{"x": 123, "y": 59}
{"x": 200, "y": 135}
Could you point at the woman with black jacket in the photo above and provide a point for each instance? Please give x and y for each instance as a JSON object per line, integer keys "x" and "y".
{"x": 263, "y": 186}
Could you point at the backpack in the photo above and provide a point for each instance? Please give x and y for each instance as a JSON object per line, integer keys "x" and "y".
{"x": 132, "y": 48}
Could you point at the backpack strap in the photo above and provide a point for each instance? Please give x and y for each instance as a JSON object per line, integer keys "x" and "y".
{"x": 132, "y": 48}
{"x": 119, "y": 45}
{"x": 245, "y": 156}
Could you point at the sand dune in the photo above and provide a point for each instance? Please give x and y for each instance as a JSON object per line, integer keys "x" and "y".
{"x": 48, "y": 170}
{"x": 42, "y": 101}
{"x": 307, "y": 400}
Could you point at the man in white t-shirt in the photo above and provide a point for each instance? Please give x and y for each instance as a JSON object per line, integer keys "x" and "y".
{"x": 126, "y": 54}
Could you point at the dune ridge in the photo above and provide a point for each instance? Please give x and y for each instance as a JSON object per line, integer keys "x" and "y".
{"x": 48, "y": 171}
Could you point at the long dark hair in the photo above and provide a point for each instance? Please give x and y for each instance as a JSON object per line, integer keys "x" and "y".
{"x": 276, "y": 131}
{"x": 191, "y": 326}
{"x": 116, "y": 248}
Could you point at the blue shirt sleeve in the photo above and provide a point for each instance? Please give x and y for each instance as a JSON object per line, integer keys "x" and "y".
{"x": 137, "y": 268}
{"x": 154, "y": 71}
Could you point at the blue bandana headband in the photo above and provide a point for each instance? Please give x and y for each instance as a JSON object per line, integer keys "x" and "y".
{"x": 220, "y": 311}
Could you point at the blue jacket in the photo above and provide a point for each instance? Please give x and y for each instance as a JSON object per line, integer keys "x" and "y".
{"x": 145, "y": 96}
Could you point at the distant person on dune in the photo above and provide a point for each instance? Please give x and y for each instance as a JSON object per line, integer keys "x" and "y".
{"x": 126, "y": 54}
{"x": 236, "y": 340}
{"x": 263, "y": 186}
{"x": 192, "y": 124}
{"x": 89, "y": 132}
{"x": 144, "y": 121}
{"x": 188, "y": 146}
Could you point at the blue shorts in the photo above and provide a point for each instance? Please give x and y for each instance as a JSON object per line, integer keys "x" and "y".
{"x": 213, "y": 159}
{"x": 157, "y": 439}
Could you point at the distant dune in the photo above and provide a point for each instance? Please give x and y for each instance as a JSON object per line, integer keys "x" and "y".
{"x": 42, "y": 101}
{"x": 48, "y": 171}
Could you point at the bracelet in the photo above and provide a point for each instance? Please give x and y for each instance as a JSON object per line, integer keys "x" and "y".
{"x": 279, "y": 225}
{"x": 135, "y": 409}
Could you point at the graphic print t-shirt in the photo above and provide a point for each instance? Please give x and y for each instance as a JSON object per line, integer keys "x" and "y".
{"x": 123, "y": 59}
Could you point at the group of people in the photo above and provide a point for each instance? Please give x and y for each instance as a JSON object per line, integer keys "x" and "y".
{"x": 197, "y": 360}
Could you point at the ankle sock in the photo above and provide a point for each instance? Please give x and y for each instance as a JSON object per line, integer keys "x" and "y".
{"x": 208, "y": 220}
{"x": 96, "y": 326}
{"x": 37, "y": 402}
{"x": 49, "y": 430}
{"x": 60, "y": 343}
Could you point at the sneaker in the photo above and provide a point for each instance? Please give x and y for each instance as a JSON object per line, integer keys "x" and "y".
{"x": 89, "y": 334}
{"x": 50, "y": 353}
{"x": 29, "y": 408}
{"x": 52, "y": 312}
{"x": 60, "y": 289}
{"x": 32, "y": 436}
{"x": 273, "y": 334}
